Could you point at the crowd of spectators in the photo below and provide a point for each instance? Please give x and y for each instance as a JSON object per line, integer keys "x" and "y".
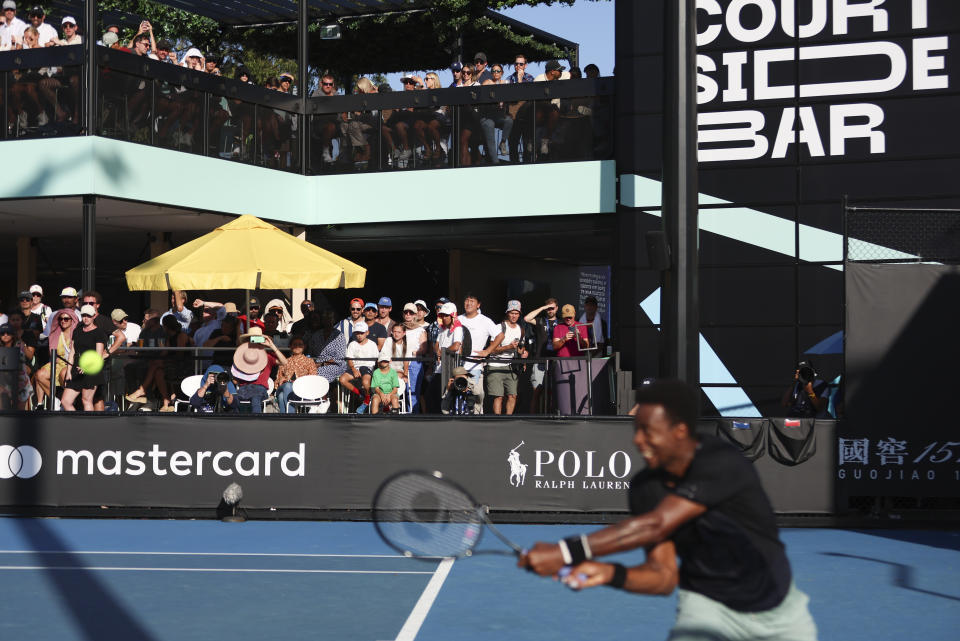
{"x": 397, "y": 138}
{"x": 487, "y": 134}
{"x": 369, "y": 360}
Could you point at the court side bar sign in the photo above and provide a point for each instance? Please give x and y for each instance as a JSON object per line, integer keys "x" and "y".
{"x": 777, "y": 74}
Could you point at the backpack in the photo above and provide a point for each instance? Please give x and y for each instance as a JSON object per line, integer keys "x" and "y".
{"x": 517, "y": 368}
{"x": 466, "y": 346}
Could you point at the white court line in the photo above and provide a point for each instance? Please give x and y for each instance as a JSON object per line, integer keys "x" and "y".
{"x": 264, "y": 570}
{"x": 412, "y": 626}
{"x": 344, "y": 556}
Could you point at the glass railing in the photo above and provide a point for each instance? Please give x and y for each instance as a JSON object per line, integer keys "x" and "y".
{"x": 462, "y": 127}
{"x": 153, "y": 103}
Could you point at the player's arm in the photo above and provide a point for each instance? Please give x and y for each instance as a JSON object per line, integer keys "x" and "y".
{"x": 642, "y": 530}
{"x": 657, "y": 575}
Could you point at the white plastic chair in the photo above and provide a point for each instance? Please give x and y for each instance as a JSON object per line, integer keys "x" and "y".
{"x": 188, "y": 387}
{"x": 402, "y": 396}
{"x": 312, "y": 391}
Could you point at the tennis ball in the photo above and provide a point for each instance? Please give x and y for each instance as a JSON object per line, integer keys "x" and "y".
{"x": 90, "y": 362}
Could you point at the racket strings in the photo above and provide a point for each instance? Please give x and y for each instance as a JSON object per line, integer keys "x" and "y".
{"x": 421, "y": 515}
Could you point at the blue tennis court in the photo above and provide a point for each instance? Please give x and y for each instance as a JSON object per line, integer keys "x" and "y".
{"x": 88, "y": 580}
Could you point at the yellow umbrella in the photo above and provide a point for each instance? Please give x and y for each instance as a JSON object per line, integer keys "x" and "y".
{"x": 246, "y": 253}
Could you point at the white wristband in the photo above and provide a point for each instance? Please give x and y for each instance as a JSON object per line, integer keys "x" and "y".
{"x": 565, "y": 551}
{"x": 587, "y": 552}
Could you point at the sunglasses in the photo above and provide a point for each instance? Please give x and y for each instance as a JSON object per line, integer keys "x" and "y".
{"x": 327, "y": 84}
{"x": 467, "y": 72}
{"x": 519, "y": 64}
{"x": 86, "y": 316}
{"x": 66, "y": 319}
{"x": 442, "y": 315}
{"x": 254, "y": 307}
{"x": 496, "y": 71}
{"x": 37, "y": 294}
{"x": 408, "y": 312}
{"x": 356, "y": 309}
{"x": 89, "y": 302}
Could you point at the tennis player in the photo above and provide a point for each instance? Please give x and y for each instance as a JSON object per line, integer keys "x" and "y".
{"x": 700, "y": 500}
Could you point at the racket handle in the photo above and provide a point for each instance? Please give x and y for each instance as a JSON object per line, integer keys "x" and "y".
{"x": 572, "y": 582}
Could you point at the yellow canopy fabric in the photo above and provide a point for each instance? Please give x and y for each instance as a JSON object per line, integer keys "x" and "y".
{"x": 246, "y": 253}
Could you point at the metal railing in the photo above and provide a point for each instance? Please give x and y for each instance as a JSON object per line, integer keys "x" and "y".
{"x": 141, "y": 100}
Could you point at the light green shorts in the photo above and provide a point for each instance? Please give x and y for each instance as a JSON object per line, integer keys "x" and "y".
{"x": 501, "y": 382}
{"x": 700, "y": 618}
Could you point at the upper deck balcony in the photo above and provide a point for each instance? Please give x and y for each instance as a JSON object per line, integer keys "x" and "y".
{"x": 216, "y": 130}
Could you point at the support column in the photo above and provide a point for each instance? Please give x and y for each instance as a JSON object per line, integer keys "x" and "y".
{"x": 90, "y": 29}
{"x": 26, "y": 262}
{"x": 303, "y": 59}
{"x": 88, "y": 256}
{"x": 638, "y": 48}
{"x": 680, "y": 309}
{"x": 159, "y": 244}
{"x": 297, "y": 296}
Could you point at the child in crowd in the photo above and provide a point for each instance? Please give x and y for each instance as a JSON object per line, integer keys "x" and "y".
{"x": 385, "y": 384}
{"x": 360, "y": 370}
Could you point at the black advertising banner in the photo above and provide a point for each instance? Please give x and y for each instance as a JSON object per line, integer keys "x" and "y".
{"x": 326, "y": 463}
{"x": 337, "y": 462}
{"x": 901, "y": 381}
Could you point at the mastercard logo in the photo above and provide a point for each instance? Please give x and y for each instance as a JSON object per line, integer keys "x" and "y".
{"x": 22, "y": 462}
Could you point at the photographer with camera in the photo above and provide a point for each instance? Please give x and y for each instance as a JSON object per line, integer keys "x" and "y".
{"x": 808, "y": 397}
{"x": 458, "y": 398}
{"x": 217, "y": 393}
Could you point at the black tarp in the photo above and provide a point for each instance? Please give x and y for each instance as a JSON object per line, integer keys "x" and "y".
{"x": 902, "y": 386}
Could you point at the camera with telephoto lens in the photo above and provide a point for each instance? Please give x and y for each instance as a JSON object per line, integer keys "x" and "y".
{"x": 220, "y": 382}
{"x": 806, "y": 373}
{"x": 461, "y": 384}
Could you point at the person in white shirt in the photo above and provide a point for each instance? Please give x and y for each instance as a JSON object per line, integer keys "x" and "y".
{"x": 11, "y": 27}
{"x": 501, "y": 378}
{"x": 39, "y": 308}
{"x": 70, "y": 35}
{"x": 362, "y": 355}
{"x": 48, "y": 34}
{"x": 482, "y": 331}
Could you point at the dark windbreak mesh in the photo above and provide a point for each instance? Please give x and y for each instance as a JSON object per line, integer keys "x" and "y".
{"x": 422, "y": 515}
{"x": 882, "y": 235}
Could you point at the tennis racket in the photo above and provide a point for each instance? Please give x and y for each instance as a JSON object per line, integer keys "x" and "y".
{"x": 424, "y": 515}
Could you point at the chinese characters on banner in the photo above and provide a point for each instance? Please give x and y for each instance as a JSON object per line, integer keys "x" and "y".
{"x": 890, "y": 459}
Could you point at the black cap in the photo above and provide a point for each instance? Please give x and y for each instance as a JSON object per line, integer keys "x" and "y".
{"x": 553, "y": 65}
{"x": 482, "y": 57}
{"x": 590, "y": 299}
{"x": 442, "y": 299}
{"x": 36, "y": 10}
{"x": 384, "y": 88}
{"x": 165, "y": 45}
{"x": 243, "y": 71}
{"x": 6, "y": 329}
{"x": 25, "y": 295}
{"x": 254, "y": 302}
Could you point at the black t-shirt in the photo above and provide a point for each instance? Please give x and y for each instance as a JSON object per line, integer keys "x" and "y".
{"x": 104, "y": 323}
{"x": 376, "y": 331}
{"x": 222, "y": 358}
{"x": 800, "y": 403}
{"x": 33, "y": 323}
{"x": 84, "y": 341}
{"x": 732, "y": 552}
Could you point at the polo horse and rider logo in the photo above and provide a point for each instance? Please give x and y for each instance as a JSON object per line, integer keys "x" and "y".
{"x": 518, "y": 470}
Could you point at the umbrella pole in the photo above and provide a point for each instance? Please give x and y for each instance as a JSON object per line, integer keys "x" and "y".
{"x": 246, "y": 297}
